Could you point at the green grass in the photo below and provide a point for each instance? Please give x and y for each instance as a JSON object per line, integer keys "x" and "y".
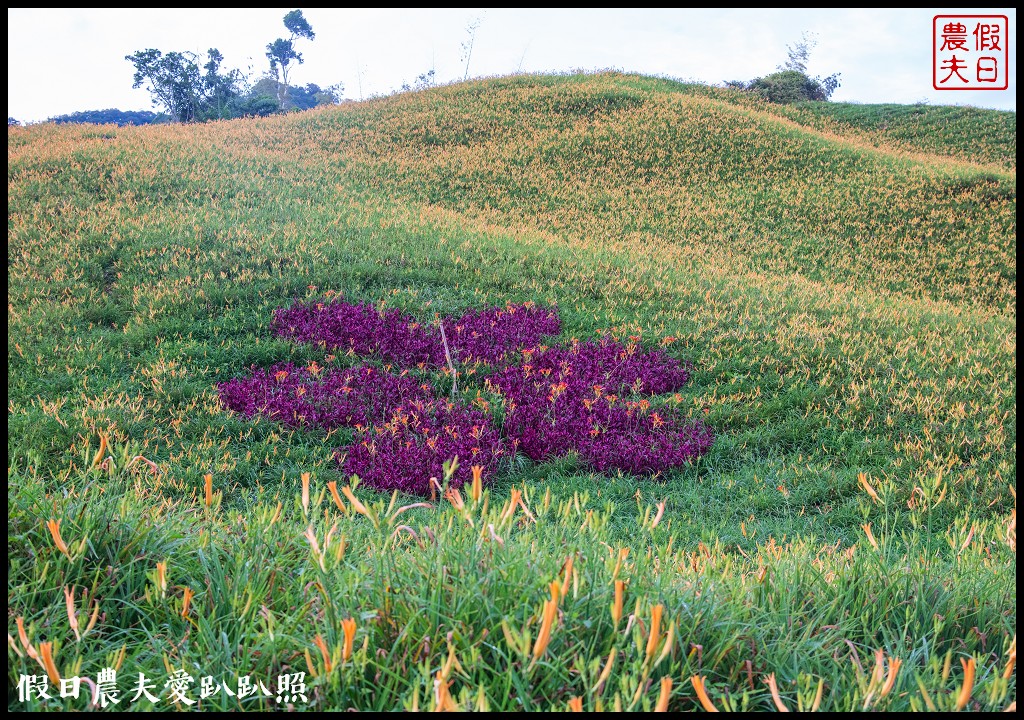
{"x": 847, "y": 297}
{"x": 968, "y": 133}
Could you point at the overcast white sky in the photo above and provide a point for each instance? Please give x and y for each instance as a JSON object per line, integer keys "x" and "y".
{"x": 62, "y": 60}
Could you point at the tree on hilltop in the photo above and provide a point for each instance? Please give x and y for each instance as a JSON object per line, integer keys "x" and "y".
{"x": 178, "y": 84}
{"x": 190, "y": 88}
{"x": 282, "y": 53}
{"x": 792, "y": 83}
{"x": 110, "y": 116}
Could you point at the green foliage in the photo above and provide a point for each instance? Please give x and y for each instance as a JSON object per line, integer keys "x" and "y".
{"x": 799, "y": 53}
{"x": 789, "y": 86}
{"x": 254, "y": 105}
{"x": 193, "y": 94}
{"x": 173, "y": 80}
{"x": 312, "y": 95}
{"x": 466, "y": 48}
{"x": 379, "y": 604}
{"x": 190, "y": 93}
{"x": 282, "y": 52}
{"x": 222, "y": 89}
{"x": 423, "y": 81}
{"x": 111, "y": 116}
{"x": 792, "y": 84}
{"x": 967, "y": 133}
{"x": 298, "y": 98}
{"x": 298, "y": 26}
{"x": 178, "y": 84}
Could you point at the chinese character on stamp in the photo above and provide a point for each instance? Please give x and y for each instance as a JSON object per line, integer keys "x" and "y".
{"x": 970, "y": 52}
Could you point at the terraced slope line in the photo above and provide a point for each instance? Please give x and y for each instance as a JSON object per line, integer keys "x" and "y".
{"x": 865, "y": 142}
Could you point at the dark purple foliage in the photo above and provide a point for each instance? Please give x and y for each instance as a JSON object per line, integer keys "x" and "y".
{"x": 412, "y": 443}
{"x": 489, "y": 335}
{"x": 618, "y": 369}
{"x": 565, "y": 398}
{"x": 485, "y": 335}
{"x": 590, "y": 396}
{"x": 364, "y": 330}
{"x": 635, "y": 440}
{"x": 314, "y": 397}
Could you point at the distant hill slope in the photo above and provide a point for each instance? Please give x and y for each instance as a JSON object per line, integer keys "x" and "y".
{"x": 865, "y": 195}
{"x": 968, "y": 133}
{"x": 613, "y": 158}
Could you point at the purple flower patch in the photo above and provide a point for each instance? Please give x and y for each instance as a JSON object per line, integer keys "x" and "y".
{"x": 412, "y": 443}
{"x": 578, "y": 398}
{"x": 590, "y": 397}
{"x": 363, "y": 329}
{"x": 314, "y": 397}
{"x": 489, "y": 335}
{"x": 485, "y": 335}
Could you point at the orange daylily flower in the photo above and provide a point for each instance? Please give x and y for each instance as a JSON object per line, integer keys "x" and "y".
{"x": 567, "y": 575}
{"x": 69, "y": 599}
{"x": 54, "y": 527}
{"x": 98, "y": 457}
{"x": 547, "y": 620}
{"x": 46, "y": 653}
{"x": 455, "y": 498}
{"x": 774, "y": 688}
{"x": 669, "y": 640}
{"x": 348, "y": 627}
{"x": 702, "y": 693}
{"x": 871, "y": 536}
{"x": 322, "y": 646}
{"x": 161, "y": 578}
{"x": 443, "y": 701}
{"x": 333, "y": 487}
{"x": 359, "y": 507}
{"x": 863, "y": 480}
{"x": 92, "y": 618}
{"x": 655, "y": 635}
{"x": 620, "y": 586}
{"x": 623, "y": 552}
{"x": 305, "y": 492}
{"x": 965, "y": 692}
{"x": 314, "y": 546}
{"x": 23, "y": 636}
{"x": 477, "y": 486}
{"x": 658, "y": 516}
{"x": 607, "y": 669}
{"x": 890, "y": 681}
{"x": 187, "y": 595}
{"x": 666, "y": 690}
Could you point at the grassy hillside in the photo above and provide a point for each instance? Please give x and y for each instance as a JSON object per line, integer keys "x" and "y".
{"x": 967, "y": 133}
{"x": 846, "y": 294}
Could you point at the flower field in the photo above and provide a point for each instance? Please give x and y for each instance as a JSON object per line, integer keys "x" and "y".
{"x": 731, "y": 389}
